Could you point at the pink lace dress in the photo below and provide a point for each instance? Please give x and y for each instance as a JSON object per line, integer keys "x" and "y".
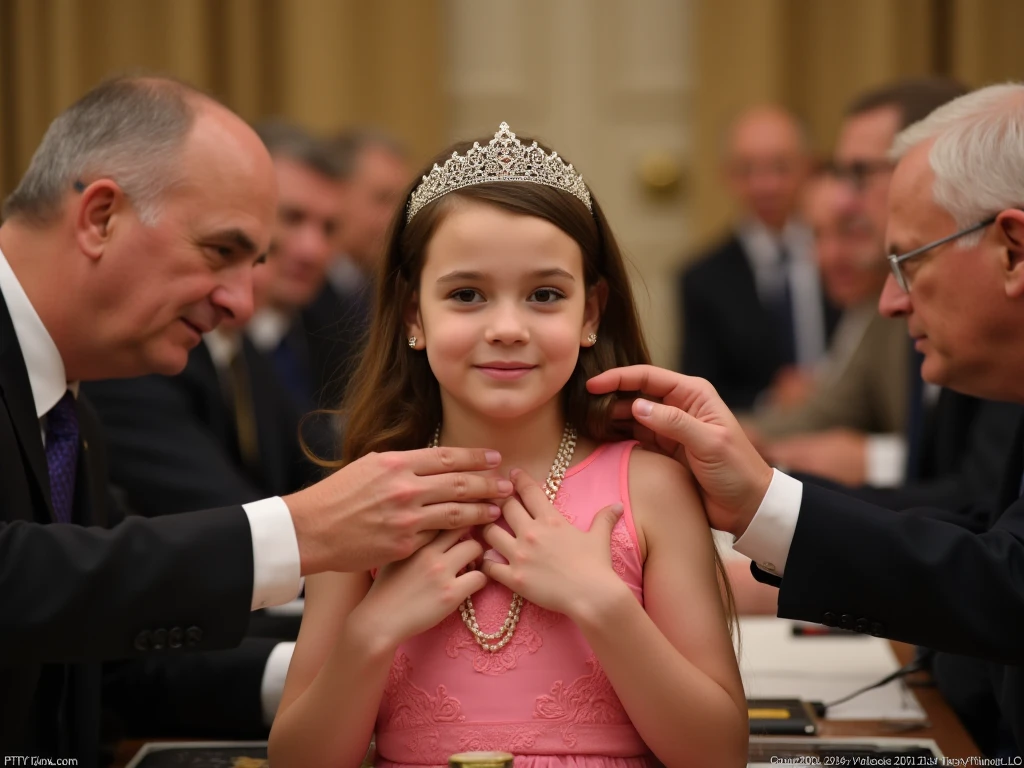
{"x": 543, "y": 697}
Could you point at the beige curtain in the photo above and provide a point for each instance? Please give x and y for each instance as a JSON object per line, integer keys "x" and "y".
{"x": 325, "y": 63}
{"x": 815, "y": 55}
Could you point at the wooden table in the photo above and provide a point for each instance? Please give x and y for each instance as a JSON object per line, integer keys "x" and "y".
{"x": 943, "y": 727}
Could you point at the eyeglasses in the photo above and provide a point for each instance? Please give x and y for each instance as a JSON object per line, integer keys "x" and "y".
{"x": 859, "y": 172}
{"x": 896, "y": 260}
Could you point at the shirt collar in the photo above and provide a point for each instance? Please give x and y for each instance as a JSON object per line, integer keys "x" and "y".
{"x": 267, "y": 327}
{"x": 46, "y": 374}
{"x": 222, "y": 346}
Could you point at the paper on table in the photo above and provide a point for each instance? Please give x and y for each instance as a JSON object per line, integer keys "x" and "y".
{"x": 775, "y": 664}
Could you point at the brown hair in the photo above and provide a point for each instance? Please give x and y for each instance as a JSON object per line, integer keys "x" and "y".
{"x": 393, "y": 401}
{"x": 914, "y": 98}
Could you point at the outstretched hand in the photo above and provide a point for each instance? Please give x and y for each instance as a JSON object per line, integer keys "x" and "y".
{"x": 384, "y": 506}
{"x": 687, "y": 420}
{"x": 549, "y": 561}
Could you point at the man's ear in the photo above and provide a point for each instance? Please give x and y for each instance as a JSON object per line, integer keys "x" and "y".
{"x": 98, "y": 205}
{"x": 413, "y": 322}
{"x": 597, "y": 297}
{"x": 1011, "y": 228}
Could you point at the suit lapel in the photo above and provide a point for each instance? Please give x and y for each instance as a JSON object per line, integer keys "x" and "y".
{"x": 17, "y": 395}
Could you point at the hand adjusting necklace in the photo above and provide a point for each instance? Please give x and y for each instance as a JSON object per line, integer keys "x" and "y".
{"x": 554, "y": 481}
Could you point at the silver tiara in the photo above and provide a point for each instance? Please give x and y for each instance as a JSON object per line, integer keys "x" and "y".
{"x": 503, "y": 159}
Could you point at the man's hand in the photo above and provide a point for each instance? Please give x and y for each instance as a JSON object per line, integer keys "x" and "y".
{"x": 694, "y": 426}
{"x": 385, "y": 506}
{"x": 838, "y": 454}
{"x": 791, "y": 387}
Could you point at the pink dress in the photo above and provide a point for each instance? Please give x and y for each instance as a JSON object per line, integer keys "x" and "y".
{"x": 543, "y": 697}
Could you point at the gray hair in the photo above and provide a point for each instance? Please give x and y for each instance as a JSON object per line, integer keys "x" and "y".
{"x": 129, "y": 129}
{"x": 288, "y": 140}
{"x": 978, "y": 154}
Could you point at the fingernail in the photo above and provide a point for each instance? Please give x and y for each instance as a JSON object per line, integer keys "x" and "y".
{"x": 504, "y": 486}
{"x": 493, "y": 458}
{"x": 494, "y": 512}
{"x": 617, "y": 509}
{"x": 495, "y": 557}
{"x": 643, "y": 407}
{"x": 514, "y": 473}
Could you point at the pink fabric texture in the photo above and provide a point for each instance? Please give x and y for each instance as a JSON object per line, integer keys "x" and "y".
{"x": 544, "y": 697}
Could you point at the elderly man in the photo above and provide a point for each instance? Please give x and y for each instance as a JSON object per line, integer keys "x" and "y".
{"x": 134, "y": 232}
{"x": 956, "y": 234}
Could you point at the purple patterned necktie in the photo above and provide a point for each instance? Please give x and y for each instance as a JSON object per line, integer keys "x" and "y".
{"x": 62, "y": 455}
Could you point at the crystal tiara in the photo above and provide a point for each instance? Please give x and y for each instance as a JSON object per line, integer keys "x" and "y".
{"x": 503, "y": 159}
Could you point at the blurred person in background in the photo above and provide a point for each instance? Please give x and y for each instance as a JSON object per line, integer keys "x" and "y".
{"x": 287, "y": 326}
{"x": 755, "y": 318}
{"x": 863, "y": 439}
{"x": 861, "y": 390}
{"x": 374, "y": 173}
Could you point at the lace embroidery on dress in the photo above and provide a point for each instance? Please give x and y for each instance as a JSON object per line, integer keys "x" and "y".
{"x": 622, "y": 548}
{"x": 406, "y": 706}
{"x": 588, "y": 700}
{"x": 506, "y": 738}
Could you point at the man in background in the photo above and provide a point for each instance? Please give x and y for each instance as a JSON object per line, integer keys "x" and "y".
{"x": 373, "y": 173}
{"x": 755, "y": 320}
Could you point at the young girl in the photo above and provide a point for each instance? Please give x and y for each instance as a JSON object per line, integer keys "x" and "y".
{"x": 591, "y": 632}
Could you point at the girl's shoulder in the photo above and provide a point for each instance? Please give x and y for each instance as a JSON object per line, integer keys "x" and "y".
{"x": 661, "y": 488}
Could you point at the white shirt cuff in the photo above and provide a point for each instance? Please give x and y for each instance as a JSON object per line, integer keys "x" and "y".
{"x": 274, "y": 675}
{"x": 770, "y": 534}
{"x": 886, "y": 460}
{"x": 275, "y": 553}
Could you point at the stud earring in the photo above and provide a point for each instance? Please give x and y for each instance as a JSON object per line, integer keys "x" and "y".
{"x": 592, "y": 338}
{"x": 412, "y": 342}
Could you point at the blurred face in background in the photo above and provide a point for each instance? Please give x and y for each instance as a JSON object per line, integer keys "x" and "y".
{"x": 766, "y": 165}
{"x": 307, "y": 221}
{"x": 851, "y": 269}
{"x": 370, "y": 198}
{"x": 861, "y": 159}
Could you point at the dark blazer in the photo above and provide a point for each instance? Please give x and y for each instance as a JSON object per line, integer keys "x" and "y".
{"x": 335, "y": 326}
{"x": 71, "y": 596}
{"x": 728, "y": 335}
{"x": 965, "y": 443}
{"x": 173, "y": 444}
{"x": 941, "y": 585}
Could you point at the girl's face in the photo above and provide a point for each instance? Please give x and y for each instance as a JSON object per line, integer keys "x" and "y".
{"x": 502, "y": 310}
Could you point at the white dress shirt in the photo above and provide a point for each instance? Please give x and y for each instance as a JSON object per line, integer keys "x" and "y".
{"x": 275, "y": 547}
{"x": 770, "y": 534}
{"x": 762, "y": 249}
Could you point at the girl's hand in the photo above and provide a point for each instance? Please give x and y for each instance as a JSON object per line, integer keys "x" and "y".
{"x": 551, "y": 563}
{"x": 412, "y": 595}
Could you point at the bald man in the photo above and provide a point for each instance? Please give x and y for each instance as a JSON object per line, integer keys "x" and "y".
{"x": 755, "y": 317}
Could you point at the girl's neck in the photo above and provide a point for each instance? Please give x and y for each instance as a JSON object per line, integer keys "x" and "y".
{"x": 528, "y": 442}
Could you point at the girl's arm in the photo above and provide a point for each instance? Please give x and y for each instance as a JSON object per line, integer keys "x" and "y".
{"x": 671, "y": 661}
{"x": 335, "y": 679}
{"x": 350, "y": 631}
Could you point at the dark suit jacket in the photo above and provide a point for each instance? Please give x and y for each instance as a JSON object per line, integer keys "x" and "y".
{"x": 335, "y": 326}
{"x": 912, "y": 577}
{"x": 71, "y": 596}
{"x": 965, "y": 443}
{"x": 173, "y": 445}
{"x": 728, "y": 335}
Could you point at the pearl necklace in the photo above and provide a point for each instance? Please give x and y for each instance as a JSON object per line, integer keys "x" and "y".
{"x": 554, "y": 481}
